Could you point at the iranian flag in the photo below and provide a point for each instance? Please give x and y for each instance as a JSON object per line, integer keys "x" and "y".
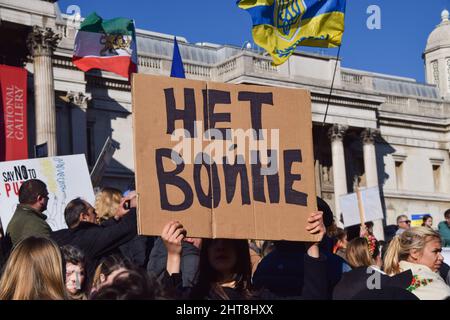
{"x": 106, "y": 44}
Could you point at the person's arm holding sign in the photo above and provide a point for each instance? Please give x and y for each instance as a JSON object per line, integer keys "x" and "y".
{"x": 315, "y": 226}
{"x": 315, "y": 275}
{"x": 172, "y": 236}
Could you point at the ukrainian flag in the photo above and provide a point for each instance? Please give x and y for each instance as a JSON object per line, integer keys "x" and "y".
{"x": 279, "y": 26}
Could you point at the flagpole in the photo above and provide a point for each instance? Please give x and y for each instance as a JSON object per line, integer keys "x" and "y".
{"x": 362, "y": 215}
{"x": 328, "y": 104}
{"x": 332, "y": 86}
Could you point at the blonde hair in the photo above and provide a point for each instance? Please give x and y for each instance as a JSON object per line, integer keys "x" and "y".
{"x": 33, "y": 272}
{"x": 400, "y": 247}
{"x": 358, "y": 254}
{"x": 107, "y": 202}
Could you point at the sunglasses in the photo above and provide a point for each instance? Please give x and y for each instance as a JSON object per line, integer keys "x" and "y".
{"x": 406, "y": 221}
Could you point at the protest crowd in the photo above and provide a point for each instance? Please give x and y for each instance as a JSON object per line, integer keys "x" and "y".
{"x": 102, "y": 251}
{"x": 101, "y": 256}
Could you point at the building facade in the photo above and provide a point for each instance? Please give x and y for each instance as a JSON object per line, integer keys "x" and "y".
{"x": 380, "y": 129}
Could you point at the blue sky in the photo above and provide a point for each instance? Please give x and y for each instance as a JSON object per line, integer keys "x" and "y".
{"x": 394, "y": 49}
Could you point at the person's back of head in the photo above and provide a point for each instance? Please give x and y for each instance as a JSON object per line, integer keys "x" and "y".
{"x": 447, "y": 214}
{"x": 326, "y": 245}
{"x": 107, "y": 201}
{"x": 108, "y": 268}
{"x": 281, "y": 271}
{"x": 340, "y": 241}
{"x": 33, "y": 271}
{"x": 73, "y": 211}
{"x": 362, "y": 252}
{"x": 30, "y": 190}
{"x": 34, "y": 194}
{"x": 340, "y": 235}
{"x": 353, "y": 232}
{"x": 369, "y": 227}
{"x": 328, "y": 217}
{"x": 130, "y": 285}
{"x": 72, "y": 255}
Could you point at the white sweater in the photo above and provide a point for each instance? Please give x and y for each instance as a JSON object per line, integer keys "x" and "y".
{"x": 435, "y": 287}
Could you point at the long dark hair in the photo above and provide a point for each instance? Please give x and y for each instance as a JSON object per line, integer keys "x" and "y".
{"x": 137, "y": 285}
{"x": 208, "y": 277}
{"x": 425, "y": 218}
{"x": 108, "y": 265}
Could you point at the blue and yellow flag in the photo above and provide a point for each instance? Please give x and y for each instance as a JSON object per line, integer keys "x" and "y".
{"x": 279, "y": 26}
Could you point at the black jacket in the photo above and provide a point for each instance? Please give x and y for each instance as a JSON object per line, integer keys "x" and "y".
{"x": 97, "y": 241}
{"x": 137, "y": 250}
{"x": 359, "y": 279}
{"x": 444, "y": 271}
{"x": 282, "y": 270}
{"x": 315, "y": 285}
{"x": 190, "y": 256}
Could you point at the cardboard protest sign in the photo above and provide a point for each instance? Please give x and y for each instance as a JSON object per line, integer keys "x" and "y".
{"x": 227, "y": 161}
{"x": 66, "y": 177}
{"x": 370, "y": 198}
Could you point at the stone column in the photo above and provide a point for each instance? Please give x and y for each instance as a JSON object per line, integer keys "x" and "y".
{"x": 79, "y": 104}
{"x": 336, "y": 135}
{"x": 370, "y": 167}
{"x": 42, "y": 43}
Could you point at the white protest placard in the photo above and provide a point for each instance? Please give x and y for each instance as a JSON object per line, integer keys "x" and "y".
{"x": 371, "y": 202}
{"x": 446, "y": 254}
{"x": 66, "y": 177}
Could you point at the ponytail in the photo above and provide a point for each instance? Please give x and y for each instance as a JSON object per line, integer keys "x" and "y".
{"x": 400, "y": 247}
{"x": 392, "y": 257}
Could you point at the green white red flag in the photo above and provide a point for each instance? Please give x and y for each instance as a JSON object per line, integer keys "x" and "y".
{"x": 108, "y": 45}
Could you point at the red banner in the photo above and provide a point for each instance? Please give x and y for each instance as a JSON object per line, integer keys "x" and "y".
{"x": 13, "y": 113}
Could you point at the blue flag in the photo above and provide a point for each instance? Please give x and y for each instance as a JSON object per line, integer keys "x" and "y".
{"x": 177, "y": 70}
